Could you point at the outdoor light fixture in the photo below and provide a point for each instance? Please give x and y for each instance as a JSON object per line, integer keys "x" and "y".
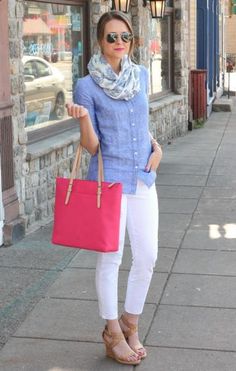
{"x": 157, "y": 7}
{"x": 121, "y": 5}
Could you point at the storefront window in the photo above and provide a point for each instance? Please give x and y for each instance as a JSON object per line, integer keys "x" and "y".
{"x": 54, "y": 58}
{"x": 161, "y": 56}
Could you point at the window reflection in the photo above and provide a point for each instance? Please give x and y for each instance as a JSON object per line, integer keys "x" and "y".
{"x": 53, "y": 59}
{"x": 160, "y": 56}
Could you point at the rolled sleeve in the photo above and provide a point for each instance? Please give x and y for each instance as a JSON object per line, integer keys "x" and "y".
{"x": 82, "y": 98}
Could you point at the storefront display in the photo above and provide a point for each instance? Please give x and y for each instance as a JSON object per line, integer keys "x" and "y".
{"x": 160, "y": 56}
{"x": 53, "y": 59}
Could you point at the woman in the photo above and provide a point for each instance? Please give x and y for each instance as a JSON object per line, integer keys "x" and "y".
{"x": 112, "y": 105}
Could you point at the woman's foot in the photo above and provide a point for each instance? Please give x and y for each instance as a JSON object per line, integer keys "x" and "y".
{"x": 129, "y": 327}
{"x": 118, "y": 349}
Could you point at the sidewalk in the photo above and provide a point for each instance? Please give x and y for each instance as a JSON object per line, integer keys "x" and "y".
{"x": 48, "y": 309}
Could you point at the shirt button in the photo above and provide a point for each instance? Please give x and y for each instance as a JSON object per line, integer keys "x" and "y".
{"x": 133, "y": 124}
{"x": 131, "y": 110}
{"x": 136, "y": 167}
{"x": 134, "y": 139}
{"x": 135, "y": 153}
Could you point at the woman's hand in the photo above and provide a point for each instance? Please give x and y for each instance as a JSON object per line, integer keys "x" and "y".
{"x": 154, "y": 159}
{"x": 76, "y": 111}
{"x": 88, "y": 137}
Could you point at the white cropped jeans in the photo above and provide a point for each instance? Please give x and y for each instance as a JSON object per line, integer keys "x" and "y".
{"x": 139, "y": 212}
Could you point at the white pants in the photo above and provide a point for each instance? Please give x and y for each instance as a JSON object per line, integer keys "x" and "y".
{"x": 140, "y": 213}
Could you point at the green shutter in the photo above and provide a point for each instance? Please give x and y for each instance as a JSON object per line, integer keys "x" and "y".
{"x": 233, "y": 6}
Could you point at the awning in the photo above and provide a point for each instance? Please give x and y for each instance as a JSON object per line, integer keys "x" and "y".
{"x": 35, "y": 26}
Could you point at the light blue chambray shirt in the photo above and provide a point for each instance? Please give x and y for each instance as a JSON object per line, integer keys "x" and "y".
{"x": 122, "y": 128}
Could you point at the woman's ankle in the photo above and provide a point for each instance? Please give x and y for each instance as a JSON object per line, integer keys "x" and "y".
{"x": 132, "y": 318}
{"x": 113, "y": 325}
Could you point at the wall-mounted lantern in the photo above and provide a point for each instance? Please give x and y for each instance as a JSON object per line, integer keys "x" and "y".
{"x": 157, "y": 7}
{"x": 121, "y": 5}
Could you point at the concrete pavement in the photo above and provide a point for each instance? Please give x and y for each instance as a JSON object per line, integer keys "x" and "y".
{"x": 48, "y": 314}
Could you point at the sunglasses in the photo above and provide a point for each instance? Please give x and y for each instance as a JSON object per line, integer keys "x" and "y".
{"x": 112, "y": 37}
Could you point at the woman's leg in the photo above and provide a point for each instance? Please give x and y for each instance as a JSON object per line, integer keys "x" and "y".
{"x": 107, "y": 270}
{"x": 142, "y": 224}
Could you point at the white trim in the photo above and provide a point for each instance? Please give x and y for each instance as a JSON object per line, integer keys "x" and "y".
{"x": 209, "y": 105}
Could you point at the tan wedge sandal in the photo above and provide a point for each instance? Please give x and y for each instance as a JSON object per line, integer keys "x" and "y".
{"x": 111, "y": 339}
{"x": 132, "y": 329}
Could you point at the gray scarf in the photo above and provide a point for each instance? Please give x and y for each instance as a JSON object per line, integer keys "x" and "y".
{"x": 123, "y": 86}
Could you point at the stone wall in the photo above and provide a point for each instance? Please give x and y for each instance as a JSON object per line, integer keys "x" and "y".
{"x": 168, "y": 118}
{"x": 37, "y": 165}
{"x": 16, "y": 11}
{"x": 97, "y": 8}
{"x": 181, "y": 73}
{"x": 45, "y": 163}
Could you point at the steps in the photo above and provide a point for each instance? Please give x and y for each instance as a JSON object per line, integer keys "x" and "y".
{"x": 222, "y": 105}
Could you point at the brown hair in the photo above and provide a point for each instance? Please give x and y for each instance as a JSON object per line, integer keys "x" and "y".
{"x": 107, "y": 17}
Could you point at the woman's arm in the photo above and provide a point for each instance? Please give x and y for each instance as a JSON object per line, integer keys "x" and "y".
{"x": 156, "y": 155}
{"x": 88, "y": 137}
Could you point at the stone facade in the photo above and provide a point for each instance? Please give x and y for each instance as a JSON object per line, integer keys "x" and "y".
{"x": 168, "y": 118}
{"x": 15, "y": 30}
{"x": 43, "y": 165}
{"x": 37, "y": 165}
{"x": 181, "y": 73}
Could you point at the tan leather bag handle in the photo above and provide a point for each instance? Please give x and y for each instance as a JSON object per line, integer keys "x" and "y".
{"x": 76, "y": 167}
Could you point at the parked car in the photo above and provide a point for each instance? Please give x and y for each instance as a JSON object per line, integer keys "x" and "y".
{"x": 44, "y": 89}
